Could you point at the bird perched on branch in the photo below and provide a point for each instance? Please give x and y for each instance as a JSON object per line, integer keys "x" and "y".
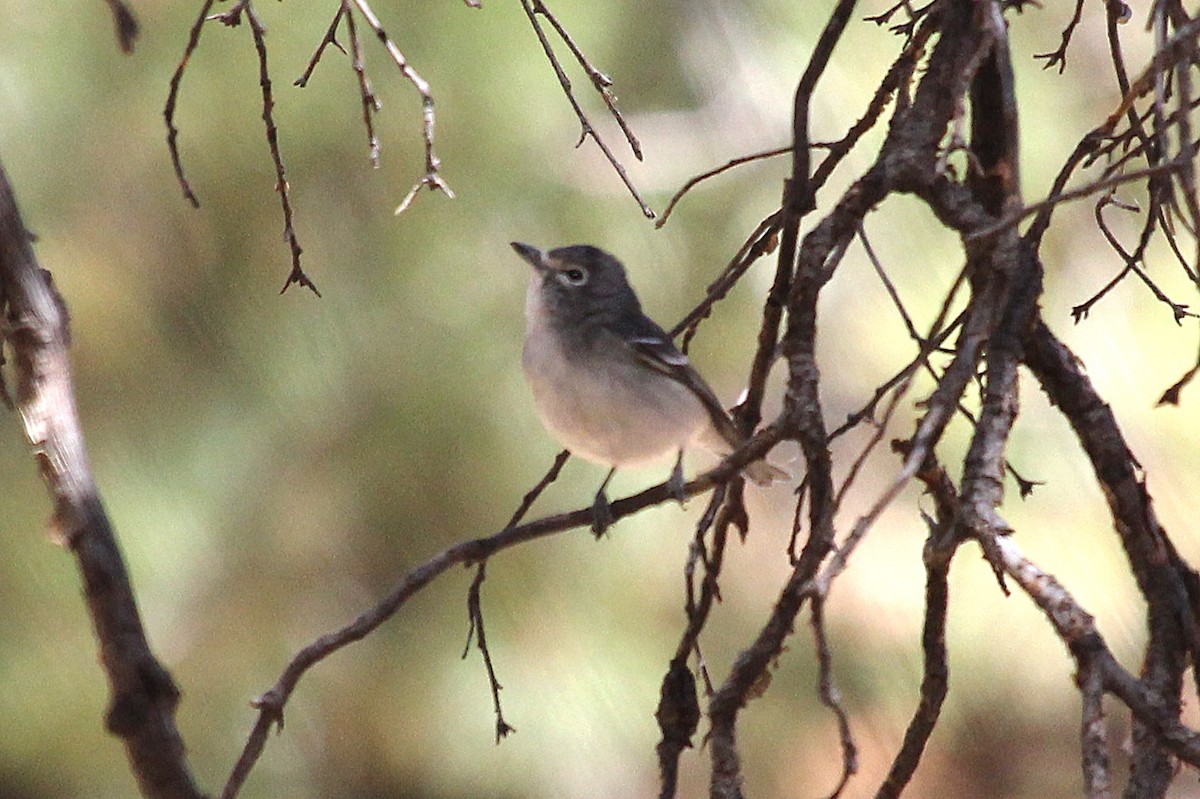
{"x": 608, "y": 382}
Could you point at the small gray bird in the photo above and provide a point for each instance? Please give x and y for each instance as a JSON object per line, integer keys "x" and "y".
{"x": 608, "y": 382}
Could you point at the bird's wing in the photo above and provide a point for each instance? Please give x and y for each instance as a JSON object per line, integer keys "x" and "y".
{"x": 655, "y": 350}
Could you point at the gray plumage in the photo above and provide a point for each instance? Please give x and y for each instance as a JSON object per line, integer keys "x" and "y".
{"x": 608, "y": 382}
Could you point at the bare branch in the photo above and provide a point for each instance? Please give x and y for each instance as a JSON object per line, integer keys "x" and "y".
{"x": 258, "y": 32}
{"x": 330, "y": 38}
{"x": 271, "y": 704}
{"x": 1059, "y": 57}
{"x": 712, "y": 173}
{"x": 370, "y": 103}
{"x": 532, "y": 9}
{"x": 1090, "y": 189}
{"x": 476, "y": 631}
{"x": 601, "y": 82}
{"x": 432, "y": 179}
{"x": 143, "y": 696}
{"x": 173, "y": 98}
{"x": 939, "y": 551}
{"x": 832, "y": 698}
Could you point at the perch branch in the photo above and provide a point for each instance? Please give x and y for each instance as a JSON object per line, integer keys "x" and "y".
{"x": 271, "y": 704}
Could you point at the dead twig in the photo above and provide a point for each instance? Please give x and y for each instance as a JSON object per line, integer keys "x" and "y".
{"x": 534, "y": 8}
{"x": 270, "y": 705}
{"x": 476, "y": 632}
{"x": 432, "y": 179}
{"x": 173, "y": 99}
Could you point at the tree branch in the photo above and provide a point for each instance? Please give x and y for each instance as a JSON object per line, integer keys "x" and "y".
{"x": 142, "y": 695}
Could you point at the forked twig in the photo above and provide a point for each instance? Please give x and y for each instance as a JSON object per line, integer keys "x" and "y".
{"x": 330, "y": 38}
{"x": 476, "y": 632}
{"x": 432, "y": 178}
{"x": 532, "y": 9}
{"x": 600, "y": 81}
{"x": 233, "y": 18}
{"x": 270, "y": 705}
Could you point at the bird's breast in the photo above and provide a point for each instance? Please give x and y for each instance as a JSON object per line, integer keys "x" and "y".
{"x": 602, "y": 404}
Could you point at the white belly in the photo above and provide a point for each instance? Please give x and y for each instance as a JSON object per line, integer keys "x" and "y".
{"x": 617, "y": 415}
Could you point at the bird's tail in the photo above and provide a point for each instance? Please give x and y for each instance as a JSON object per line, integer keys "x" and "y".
{"x": 722, "y": 442}
{"x": 763, "y": 474}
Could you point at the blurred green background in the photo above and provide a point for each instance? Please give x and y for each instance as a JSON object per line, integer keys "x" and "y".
{"x": 274, "y": 463}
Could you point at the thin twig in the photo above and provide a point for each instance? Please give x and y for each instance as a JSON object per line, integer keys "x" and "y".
{"x": 730, "y": 164}
{"x": 475, "y": 604}
{"x": 1059, "y": 57}
{"x": 832, "y": 698}
{"x": 232, "y": 18}
{"x": 271, "y": 704}
{"x": 432, "y": 179}
{"x": 370, "y": 103}
{"x": 1014, "y": 218}
{"x": 476, "y": 631}
{"x": 297, "y": 275}
{"x": 939, "y": 551}
{"x": 894, "y": 84}
{"x": 173, "y": 99}
{"x": 330, "y": 38}
{"x": 758, "y": 244}
{"x": 1178, "y": 310}
{"x": 888, "y": 286}
{"x": 532, "y": 9}
{"x": 600, "y": 81}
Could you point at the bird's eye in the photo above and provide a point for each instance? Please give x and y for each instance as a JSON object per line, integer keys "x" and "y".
{"x": 573, "y": 276}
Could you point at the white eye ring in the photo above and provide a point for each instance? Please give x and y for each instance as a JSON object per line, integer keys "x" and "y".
{"x": 573, "y": 276}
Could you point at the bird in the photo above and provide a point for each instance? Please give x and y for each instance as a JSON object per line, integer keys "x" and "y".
{"x": 607, "y": 381}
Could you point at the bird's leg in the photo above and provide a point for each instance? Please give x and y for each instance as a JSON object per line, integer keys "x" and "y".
{"x": 601, "y": 512}
{"x": 675, "y": 482}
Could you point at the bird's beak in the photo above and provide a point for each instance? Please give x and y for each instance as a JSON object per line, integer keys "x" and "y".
{"x": 535, "y": 257}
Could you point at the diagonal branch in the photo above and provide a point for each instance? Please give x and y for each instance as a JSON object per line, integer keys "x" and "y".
{"x": 143, "y": 695}
{"x": 271, "y": 704}
{"x": 533, "y": 8}
{"x": 601, "y": 82}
